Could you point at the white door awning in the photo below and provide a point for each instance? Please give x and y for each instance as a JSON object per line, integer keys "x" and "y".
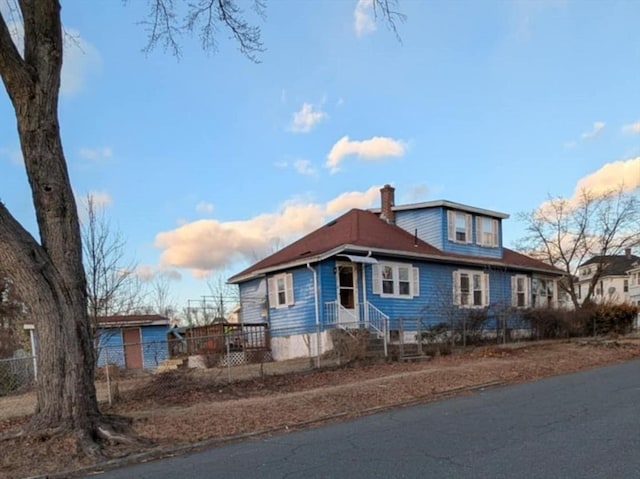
{"x": 359, "y": 259}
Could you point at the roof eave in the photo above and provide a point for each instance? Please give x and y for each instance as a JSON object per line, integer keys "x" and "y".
{"x": 289, "y": 264}
{"x": 446, "y": 204}
{"x": 389, "y": 252}
{"x": 451, "y": 259}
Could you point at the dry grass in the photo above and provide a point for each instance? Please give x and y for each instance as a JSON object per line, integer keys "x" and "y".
{"x": 181, "y": 408}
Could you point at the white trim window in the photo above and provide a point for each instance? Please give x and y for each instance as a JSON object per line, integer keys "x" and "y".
{"x": 281, "y": 290}
{"x": 520, "y": 291}
{"x": 470, "y": 289}
{"x": 487, "y": 231}
{"x": 543, "y": 292}
{"x": 459, "y": 226}
{"x": 395, "y": 280}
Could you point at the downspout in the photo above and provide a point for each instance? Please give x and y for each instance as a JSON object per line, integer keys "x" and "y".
{"x": 317, "y": 310}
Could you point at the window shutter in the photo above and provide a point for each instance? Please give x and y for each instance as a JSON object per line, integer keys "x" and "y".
{"x": 527, "y": 292}
{"x": 415, "y": 284}
{"x": 451, "y": 225}
{"x": 494, "y": 230}
{"x": 479, "y": 235}
{"x": 486, "y": 289}
{"x": 273, "y": 293}
{"x": 288, "y": 289}
{"x": 376, "y": 281}
{"x": 514, "y": 291}
{"x": 469, "y": 228}
{"x": 456, "y": 288}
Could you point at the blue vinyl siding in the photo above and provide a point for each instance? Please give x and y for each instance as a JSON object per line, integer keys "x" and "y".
{"x": 110, "y": 348}
{"x": 299, "y": 318}
{"x": 431, "y": 224}
{"x": 327, "y": 284}
{"x": 434, "y": 305}
{"x": 253, "y": 298}
{"x": 472, "y": 249}
{"x": 153, "y": 346}
{"x": 428, "y": 221}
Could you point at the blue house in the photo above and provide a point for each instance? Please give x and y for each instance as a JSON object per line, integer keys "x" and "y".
{"x": 370, "y": 268}
{"x": 133, "y": 341}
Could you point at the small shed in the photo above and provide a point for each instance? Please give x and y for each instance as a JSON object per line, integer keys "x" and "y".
{"x": 132, "y": 341}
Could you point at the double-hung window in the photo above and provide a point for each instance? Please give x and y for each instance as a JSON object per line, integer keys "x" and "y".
{"x": 459, "y": 226}
{"x": 543, "y": 292}
{"x": 470, "y": 289}
{"x": 520, "y": 291}
{"x": 396, "y": 280}
{"x": 281, "y": 290}
{"x": 487, "y": 231}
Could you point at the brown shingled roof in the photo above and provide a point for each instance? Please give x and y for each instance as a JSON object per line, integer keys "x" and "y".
{"x": 365, "y": 229}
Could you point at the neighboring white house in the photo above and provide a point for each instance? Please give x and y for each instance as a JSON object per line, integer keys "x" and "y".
{"x": 614, "y": 284}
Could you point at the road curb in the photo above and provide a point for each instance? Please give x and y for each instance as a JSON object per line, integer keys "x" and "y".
{"x": 170, "y": 451}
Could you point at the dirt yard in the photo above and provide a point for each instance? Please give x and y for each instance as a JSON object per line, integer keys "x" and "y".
{"x": 185, "y": 407}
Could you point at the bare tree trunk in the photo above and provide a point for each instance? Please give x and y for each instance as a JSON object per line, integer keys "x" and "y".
{"x": 49, "y": 276}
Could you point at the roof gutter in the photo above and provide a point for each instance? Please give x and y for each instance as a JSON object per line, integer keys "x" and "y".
{"x": 389, "y": 252}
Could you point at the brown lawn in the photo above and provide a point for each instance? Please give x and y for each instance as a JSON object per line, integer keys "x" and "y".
{"x": 185, "y": 407}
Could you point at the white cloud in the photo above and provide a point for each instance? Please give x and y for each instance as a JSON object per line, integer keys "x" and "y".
{"x": 633, "y": 128}
{"x": 375, "y": 148}
{"x": 304, "y": 167}
{"x": 624, "y": 174}
{"x": 204, "y": 207}
{"x": 209, "y": 244}
{"x": 148, "y": 272}
{"x": 306, "y": 119}
{"x": 281, "y": 164}
{"x": 96, "y": 154}
{"x": 364, "y": 18}
{"x": 353, "y": 199}
{"x": 595, "y": 131}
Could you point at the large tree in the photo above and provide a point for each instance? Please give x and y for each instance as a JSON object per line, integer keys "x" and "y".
{"x": 48, "y": 272}
{"x": 567, "y": 232}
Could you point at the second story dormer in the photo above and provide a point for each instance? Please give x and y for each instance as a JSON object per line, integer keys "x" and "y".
{"x": 449, "y": 226}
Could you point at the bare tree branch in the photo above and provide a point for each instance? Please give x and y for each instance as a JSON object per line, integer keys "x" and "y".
{"x": 567, "y": 233}
{"x": 169, "y": 19}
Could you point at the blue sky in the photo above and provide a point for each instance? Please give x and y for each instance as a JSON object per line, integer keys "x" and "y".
{"x": 207, "y": 163}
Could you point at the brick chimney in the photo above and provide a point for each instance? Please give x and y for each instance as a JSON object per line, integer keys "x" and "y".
{"x": 627, "y": 253}
{"x": 387, "y": 201}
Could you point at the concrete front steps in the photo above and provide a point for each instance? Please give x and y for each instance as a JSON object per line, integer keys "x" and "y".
{"x": 171, "y": 365}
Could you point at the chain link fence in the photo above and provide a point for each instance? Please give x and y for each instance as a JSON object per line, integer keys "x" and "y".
{"x": 16, "y": 374}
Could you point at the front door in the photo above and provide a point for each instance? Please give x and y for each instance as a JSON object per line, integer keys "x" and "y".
{"x": 347, "y": 281}
{"x": 132, "y": 348}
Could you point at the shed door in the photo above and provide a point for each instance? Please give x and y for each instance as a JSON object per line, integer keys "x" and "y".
{"x": 132, "y": 348}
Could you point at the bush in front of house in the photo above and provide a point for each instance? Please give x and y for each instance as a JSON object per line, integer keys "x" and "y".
{"x": 611, "y": 319}
{"x": 549, "y": 323}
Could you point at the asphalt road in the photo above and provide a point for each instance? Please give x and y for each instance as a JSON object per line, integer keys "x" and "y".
{"x": 584, "y": 425}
